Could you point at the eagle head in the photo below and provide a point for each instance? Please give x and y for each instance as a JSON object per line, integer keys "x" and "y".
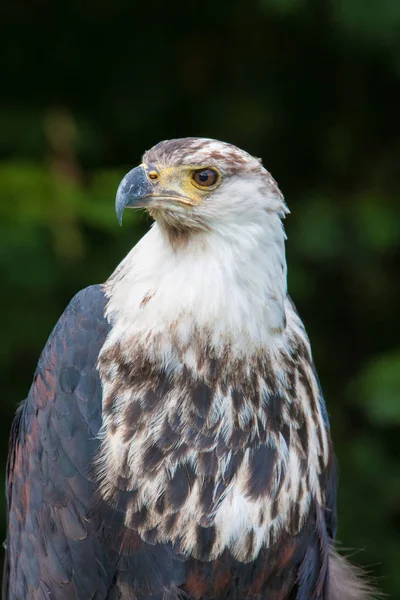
{"x": 198, "y": 184}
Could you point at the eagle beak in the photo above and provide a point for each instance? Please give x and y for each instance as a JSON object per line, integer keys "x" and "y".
{"x": 134, "y": 191}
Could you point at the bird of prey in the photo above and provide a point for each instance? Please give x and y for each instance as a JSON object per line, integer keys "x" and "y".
{"x": 175, "y": 442}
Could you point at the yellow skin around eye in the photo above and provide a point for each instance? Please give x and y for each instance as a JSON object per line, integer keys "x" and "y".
{"x": 178, "y": 181}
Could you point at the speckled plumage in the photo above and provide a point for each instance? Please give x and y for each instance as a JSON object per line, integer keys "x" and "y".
{"x": 175, "y": 442}
{"x": 212, "y": 439}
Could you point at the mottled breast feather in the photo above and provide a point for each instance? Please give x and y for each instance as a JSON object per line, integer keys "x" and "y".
{"x": 228, "y": 460}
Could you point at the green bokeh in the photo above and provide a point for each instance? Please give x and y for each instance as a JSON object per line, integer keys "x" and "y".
{"x": 313, "y": 88}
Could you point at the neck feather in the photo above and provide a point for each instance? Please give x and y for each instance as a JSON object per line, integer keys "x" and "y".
{"x": 229, "y": 283}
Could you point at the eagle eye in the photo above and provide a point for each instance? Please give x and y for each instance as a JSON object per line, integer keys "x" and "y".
{"x": 205, "y": 177}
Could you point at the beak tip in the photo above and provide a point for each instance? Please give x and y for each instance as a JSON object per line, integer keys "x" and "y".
{"x": 132, "y": 189}
{"x": 119, "y": 210}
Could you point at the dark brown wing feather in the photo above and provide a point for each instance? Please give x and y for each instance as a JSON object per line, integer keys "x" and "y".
{"x": 52, "y": 551}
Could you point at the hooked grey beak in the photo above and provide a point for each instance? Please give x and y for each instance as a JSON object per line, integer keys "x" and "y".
{"x": 133, "y": 191}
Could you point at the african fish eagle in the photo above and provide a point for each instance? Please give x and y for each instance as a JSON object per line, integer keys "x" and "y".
{"x": 175, "y": 442}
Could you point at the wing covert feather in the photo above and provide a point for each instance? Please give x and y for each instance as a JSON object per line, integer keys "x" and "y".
{"x": 52, "y": 548}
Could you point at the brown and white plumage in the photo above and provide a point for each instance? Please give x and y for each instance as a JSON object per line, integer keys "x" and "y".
{"x": 210, "y": 471}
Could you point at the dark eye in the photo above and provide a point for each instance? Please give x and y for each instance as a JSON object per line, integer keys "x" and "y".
{"x": 205, "y": 177}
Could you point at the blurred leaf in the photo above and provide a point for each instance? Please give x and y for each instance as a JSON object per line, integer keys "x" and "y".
{"x": 283, "y": 6}
{"x": 377, "y": 390}
{"x": 377, "y": 222}
{"x": 370, "y": 20}
{"x": 318, "y": 233}
{"x": 22, "y": 132}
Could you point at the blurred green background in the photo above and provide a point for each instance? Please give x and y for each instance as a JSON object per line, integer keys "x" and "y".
{"x": 313, "y": 88}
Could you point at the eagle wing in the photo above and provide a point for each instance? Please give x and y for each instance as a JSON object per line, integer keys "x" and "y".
{"x": 52, "y": 550}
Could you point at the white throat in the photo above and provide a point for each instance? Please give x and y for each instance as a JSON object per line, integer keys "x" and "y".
{"x": 228, "y": 283}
